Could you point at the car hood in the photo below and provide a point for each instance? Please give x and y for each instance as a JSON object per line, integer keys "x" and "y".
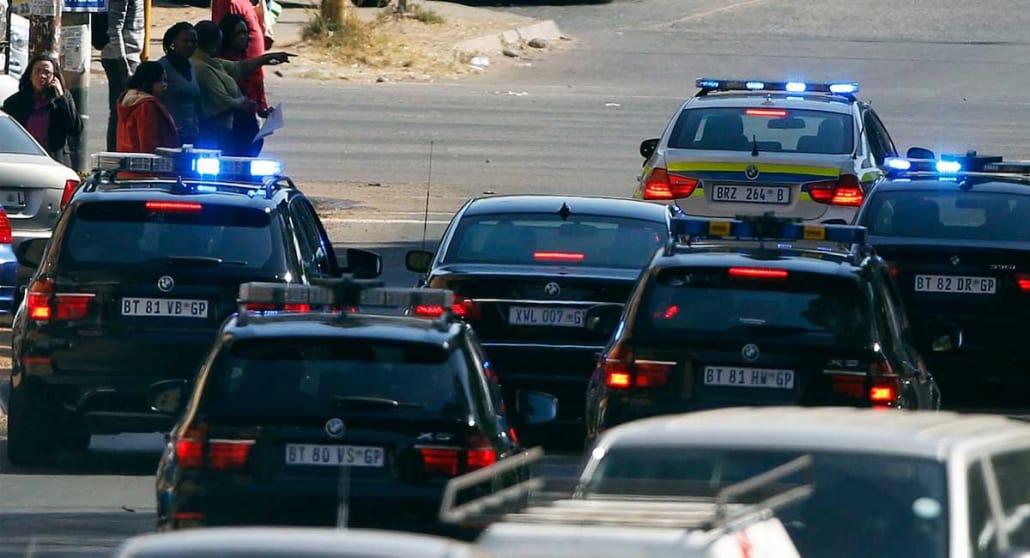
{"x": 34, "y": 171}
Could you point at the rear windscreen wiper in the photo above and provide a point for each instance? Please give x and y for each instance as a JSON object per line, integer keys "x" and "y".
{"x": 359, "y": 401}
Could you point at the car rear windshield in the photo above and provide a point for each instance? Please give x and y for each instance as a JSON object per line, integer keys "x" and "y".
{"x": 547, "y": 239}
{"x": 747, "y": 302}
{"x": 14, "y": 139}
{"x": 949, "y": 214}
{"x": 316, "y": 377}
{"x": 770, "y": 129}
{"x": 130, "y": 233}
{"x": 892, "y": 506}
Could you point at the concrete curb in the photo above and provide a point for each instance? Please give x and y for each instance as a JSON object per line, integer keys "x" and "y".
{"x": 496, "y": 42}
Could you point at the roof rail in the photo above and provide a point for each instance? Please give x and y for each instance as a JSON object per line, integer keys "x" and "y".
{"x": 526, "y": 502}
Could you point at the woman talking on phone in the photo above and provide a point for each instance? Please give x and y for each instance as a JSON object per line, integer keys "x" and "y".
{"x": 45, "y": 108}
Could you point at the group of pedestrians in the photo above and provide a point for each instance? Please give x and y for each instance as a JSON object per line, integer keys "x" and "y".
{"x": 207, "y": 90}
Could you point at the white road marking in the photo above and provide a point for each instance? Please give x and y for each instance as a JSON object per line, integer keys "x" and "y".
{"x": 707, "y": 13}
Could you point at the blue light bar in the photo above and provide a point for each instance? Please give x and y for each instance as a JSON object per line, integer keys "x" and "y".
{"x": 948, "y": 167}
{"x": 764, "y": 228}
{"x": 207, "y": 165}
{"x": 189, "y": 162}
{"x": 796, "y": 86}
{"x": 710, "y": 84}
{"x": 898, "y": 164}
{"x": 755, "y": 85}
{"x": 844, "y": 88}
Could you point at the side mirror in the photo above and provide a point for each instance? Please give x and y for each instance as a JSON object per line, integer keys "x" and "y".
{"x": 603, "y": 320}
{"x": 419, "y": 261}
{"x": 946, "y": 337}
{"x": 535, "y": 407}
{"x": 648, "y": 146}
{"x": 363, "y": 264}
{"x": 919, "y": 153}
{"x": 168, "y": 396}
{"x": 30, "y": 252}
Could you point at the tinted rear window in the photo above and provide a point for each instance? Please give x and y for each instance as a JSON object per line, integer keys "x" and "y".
{"x": 547, "y": 239}
{"x": 712, "y": 302}
{"x": 128, "y": 233}
{"x": 14, "y": 139}
{"x": 949, "y": 214}
{"x": 891, "y": 506}
{"x": 307, "y": 376}
{"x": 775, "y": 130}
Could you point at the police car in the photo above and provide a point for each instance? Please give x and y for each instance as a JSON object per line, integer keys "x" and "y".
{"x": 956, "y": 234}
{"x": 738, "y": 316}
{"x": 348, "y": 409}
{"x": 144, "y": 265}
{"x": 743, "y": 147}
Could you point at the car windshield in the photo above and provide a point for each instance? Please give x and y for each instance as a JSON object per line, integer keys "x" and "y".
{"x": 547, "y": 239}
{"x": 127, "y": 233}
{"x": 740, "y": 302}
{"x": 768, "y": 129}
{"x": 949, "y": 214}
{"x": 315, "y": 377}
{"x": 862, "y": 505}
{"x": 14, "y": 139}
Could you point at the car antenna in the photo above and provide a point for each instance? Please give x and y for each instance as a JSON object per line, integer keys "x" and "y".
{"x": 754, "y": 145}
{"x": 429, "y": 182}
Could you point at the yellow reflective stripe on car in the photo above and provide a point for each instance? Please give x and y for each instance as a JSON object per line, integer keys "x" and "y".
{"x": 763, "y": 167}
{"x": 870, "y": 176}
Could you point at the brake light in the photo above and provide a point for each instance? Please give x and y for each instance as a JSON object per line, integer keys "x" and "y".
{"x": 851, "y": 386}
{"x": 1023, "y": 279}
{"x": 882, "y": 393}
{"x": 766, "y": 112}
{"x": 625, "y": 373}
{"x": 196, "y": 452}
{"x": 189, "y": 453}
{"x": 845, "y": 191}
{"x": 6, "y": 235}
{"x": 429, "y": 310}
{"x": 479, "y": 458}
{"x": 44, "y": 304}
{"x": 155, "y": 205}
{"x": 465, "y": 308}
{"x": 440, "y": 462}
{"x": 661, "y": 185}
{"x": 885, "y": 387}
{"x": 37, "y": 298}
{"x": 446, "y": 461}
{"x": 69, "y": 190}
{"x": 758, "y": 273}
{"x": 559, "y": 256}
{"x": 72, "y": 306}
{"x": 671, "y": 312}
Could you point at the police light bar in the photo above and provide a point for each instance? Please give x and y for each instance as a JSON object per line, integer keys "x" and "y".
{"x": 952, "y": 165}
{"x": 764, "y": 228}
{"x": 284, "y": 294}
{"x": 836, "y": 88}
{"x": 422, "y": 302}
{"x": 189, "y": 162}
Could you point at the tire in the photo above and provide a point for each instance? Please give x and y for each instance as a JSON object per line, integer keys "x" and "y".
{"x": 38, "y": 428}
{"x": 371, "y": 3}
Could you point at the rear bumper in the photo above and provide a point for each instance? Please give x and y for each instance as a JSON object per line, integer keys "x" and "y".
{"x": 981, "y": 365}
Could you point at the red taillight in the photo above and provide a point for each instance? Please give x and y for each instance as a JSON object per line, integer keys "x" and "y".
{"x": 37, "y": 298}
{"x": 155, "y": 205}
{"x": 72, "y": 306}
{"x": 429, "y": 310}
{"x": 772, "y": 113}
{"x": 222, "y": 454}
{"x": 885, "y": 393}
{"x": 1023, "y": 280}
{"x": 479, "y": 458}
{"x": 69, "y": 190}
{"x": 671, "y": 312}
{"x": 559, "y": 256}
{"x": 44, "y": 304}
{"x": 850, "y": 386}
{"x": 451, "y": 461}
{"x": 845, "y": 191}
{"x": 6, "y": 235}
{"x": 440, "y": 462}
{"x": 758, "y": 273}
{"x": 622, "y": 374}
{"x": 189, "y": 453}
{"x": 265, "y": 307}
{"x": 465, "y": 308}
{"x": 661, "y": 185}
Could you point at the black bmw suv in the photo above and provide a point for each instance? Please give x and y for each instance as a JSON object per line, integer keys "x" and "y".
{"x": 715, "y": 324}
{"x": 355, "y": 417}
{"x": 142, "y": 269}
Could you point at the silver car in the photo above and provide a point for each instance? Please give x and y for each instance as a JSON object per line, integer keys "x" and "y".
{"x": 33, "y": 186}
{"x": 804, "y": 150}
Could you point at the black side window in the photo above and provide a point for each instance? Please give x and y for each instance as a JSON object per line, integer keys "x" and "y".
{"x": 1010, "y": 470}
{"x": 313, "y": 249}
{"x": 982, "y": 539}
{"x": 879, "y": 142}
{"x": 888, "y": 296}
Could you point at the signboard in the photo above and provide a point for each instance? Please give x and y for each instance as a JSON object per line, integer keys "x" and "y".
{"x": 85, "y": 5}
{"x": 75, "y": 48}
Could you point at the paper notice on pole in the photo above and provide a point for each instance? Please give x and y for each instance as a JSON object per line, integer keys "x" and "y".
{"x": 21, "y": 7}
{"x": 272, "y": 123}
{"x": 74, "y": 48}
{"x": 45, "y": 8}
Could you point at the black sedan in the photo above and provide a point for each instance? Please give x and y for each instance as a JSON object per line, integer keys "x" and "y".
{"x": 530, "y": 270}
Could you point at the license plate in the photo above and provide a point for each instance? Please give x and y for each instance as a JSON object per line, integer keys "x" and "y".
{"x": 546, "y": 316}
{"x": 12, "y": 198}
{"x": 752, "y": 194}
{"x": 748, "y": 377}
{"x": 334, "y": 456}
{"x": 958, "y": 284}
{"x": 164, "y": 307}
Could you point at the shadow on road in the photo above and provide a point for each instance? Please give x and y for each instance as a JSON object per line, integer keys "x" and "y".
{"x": 110, "y": 458}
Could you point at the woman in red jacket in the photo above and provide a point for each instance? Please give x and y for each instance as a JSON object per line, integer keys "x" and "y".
{"x": 143, "y": 122}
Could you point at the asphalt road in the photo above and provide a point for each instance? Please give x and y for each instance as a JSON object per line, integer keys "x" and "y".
{"x": 944, "y": 77}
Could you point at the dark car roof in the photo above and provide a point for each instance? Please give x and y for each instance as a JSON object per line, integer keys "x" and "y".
{"x": 826, "y": 263}
{"x": 586, "y": 205}
{"x": 978, "y": 184}
{"x": 352, "y": 326}
{"x": 107, "y": 192}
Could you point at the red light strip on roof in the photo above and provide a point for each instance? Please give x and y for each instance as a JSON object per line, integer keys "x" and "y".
{"x": 758, "y": 273}
{"x": 766, "y": 112}
{"x": 559, "y": 256}
{"x": 154, "y": 205}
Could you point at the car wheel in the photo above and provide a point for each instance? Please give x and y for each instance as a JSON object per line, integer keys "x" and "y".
{"x": 371, "y": 3}
{"x": 36, "y": 430}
